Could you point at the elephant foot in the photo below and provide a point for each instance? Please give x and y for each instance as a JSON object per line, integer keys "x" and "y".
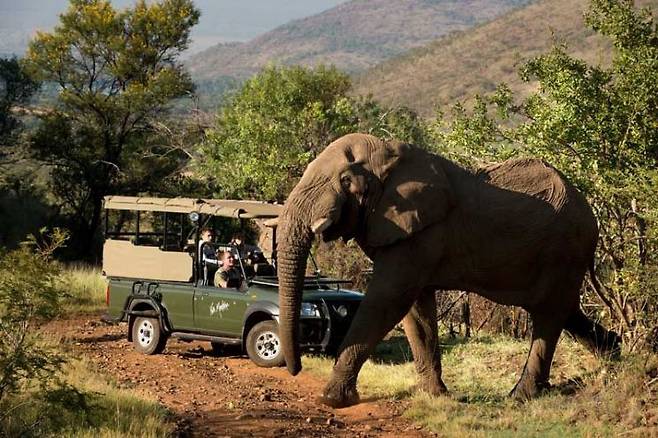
{"x": 527, "y": 389}
{"x": 339, "y": 396}
{"x": 433, "y": 387}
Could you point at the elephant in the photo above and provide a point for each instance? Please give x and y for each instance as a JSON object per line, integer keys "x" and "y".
{"x": 517, "y": 233}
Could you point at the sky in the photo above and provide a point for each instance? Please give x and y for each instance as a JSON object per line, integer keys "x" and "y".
{"x": 221, "y": 20}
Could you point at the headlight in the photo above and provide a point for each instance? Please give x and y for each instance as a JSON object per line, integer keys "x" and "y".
{"x": 310, "y": 310}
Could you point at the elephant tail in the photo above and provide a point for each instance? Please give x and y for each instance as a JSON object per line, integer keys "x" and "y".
{"x": 597, "y": 286}
{"x": 591, "y": 334}
{"x": 595, "y": 281}
{"x": 596, "y": 338}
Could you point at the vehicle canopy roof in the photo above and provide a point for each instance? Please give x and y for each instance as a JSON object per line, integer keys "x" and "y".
{"x": 215, "y": 207}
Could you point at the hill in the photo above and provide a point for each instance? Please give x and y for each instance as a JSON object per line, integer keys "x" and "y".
{"x": 353, "y": 36}
{"x": 462, "y": 64}
{"x": 221, "y": 20}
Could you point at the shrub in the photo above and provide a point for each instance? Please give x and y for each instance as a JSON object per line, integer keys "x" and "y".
{"x": 28, "y": 296}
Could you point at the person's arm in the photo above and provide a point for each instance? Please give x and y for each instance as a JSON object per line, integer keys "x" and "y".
{"x": 221, "y": 279}
{"x": 208, "y": 255}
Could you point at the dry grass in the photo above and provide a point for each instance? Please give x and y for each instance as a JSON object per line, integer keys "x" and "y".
{"x": 89, "y": 405}
{"x": 589, "y": 398}
{"x": 83, "y": 288}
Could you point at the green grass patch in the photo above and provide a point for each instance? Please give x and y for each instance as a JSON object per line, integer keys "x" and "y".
{"x": 589, "y": 397}
{"x": 85, "y": 405}
{"x": 83, "y": 288}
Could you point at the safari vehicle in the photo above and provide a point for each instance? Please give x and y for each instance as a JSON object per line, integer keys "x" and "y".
{"x": 157, "y": 284}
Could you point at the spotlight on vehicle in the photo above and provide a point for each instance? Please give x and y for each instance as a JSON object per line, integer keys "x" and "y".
{"x": 341, "y": 310}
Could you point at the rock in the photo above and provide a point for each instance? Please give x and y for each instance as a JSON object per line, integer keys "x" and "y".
{"x": 265, "y": 397}
{"x": 331, "y": 421}
{"x": 308, "y": 419}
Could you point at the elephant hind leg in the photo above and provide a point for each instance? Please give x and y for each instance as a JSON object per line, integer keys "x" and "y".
{"x": 546, "y": 331}
{"x": 592, "y": 335}
{"x": 420, "y": 326}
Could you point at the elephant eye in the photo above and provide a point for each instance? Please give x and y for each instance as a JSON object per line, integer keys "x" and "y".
{"x": 345, "y": 182}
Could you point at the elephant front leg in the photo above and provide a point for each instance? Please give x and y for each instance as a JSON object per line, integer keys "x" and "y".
{"x": 383, "y": 306}
{"x": 534, "y": 378}
{"x": 420, "y": 326}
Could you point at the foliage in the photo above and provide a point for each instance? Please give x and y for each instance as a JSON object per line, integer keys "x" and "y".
{"x": 82, "y": 289}
{"x": 83, "y": 404}
{"x": 43, "y": 392}
{"x": 280, "y": 120}
{"x": 212, "y": 92}
{"x": 16, "y": 88}
{"x": 268, "y": 131}
{"x": 343, "y": 260}
{"x": 22, "y": 200}
{"x": 28, "y": 296}
{"x": 22, "y": 203}
{"x": 117, "y": 73}
{"x": 597, "y": 125}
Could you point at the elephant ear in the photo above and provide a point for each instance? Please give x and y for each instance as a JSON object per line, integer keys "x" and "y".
{"x": 415, "y": 194}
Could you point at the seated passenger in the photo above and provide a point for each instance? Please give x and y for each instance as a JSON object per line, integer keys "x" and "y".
{"x": 244, "y": 250}
{"x": 228, "y": 274}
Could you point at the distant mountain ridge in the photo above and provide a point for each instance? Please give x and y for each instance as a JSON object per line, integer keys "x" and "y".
{"x": 353, "y": 36}
{"x": 458, "y": 66}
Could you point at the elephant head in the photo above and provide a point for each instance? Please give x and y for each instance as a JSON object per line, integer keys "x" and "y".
{"x": 359, "y": 187}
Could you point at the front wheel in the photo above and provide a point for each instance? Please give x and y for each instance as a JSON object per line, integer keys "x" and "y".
{"x": 147, "y": 335}
{"x": 264, "y": 345}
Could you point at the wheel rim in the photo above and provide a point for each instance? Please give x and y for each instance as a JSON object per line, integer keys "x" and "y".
{"x": 145, "y": 333}
{"x": 268, "y": 345}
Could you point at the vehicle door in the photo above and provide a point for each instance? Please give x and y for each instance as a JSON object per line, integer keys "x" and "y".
{"x": 219, "y": 310}
{"x": 178, "y": 300}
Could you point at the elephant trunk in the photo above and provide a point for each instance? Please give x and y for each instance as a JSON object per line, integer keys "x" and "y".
{"x": 292, "y": 251}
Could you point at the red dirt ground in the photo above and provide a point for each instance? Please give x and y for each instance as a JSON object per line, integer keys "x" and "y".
{"x": 227, "y": 395}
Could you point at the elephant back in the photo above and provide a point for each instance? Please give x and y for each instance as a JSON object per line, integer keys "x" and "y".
{"x": 530, "y": 176}
{"x": 573, "y": 218}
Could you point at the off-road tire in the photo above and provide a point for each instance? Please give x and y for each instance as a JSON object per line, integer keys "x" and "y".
{"x": 217, "y": 348}
{"x": 147, "y": 335}
{"x": 264, "y": 345}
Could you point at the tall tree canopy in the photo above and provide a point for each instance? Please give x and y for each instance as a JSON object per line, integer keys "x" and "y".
{"x": 16, "y": 88}
{"x": 266, "y": 134}
{"x": 21, "y": 209}
{"x": 117, "y": 71}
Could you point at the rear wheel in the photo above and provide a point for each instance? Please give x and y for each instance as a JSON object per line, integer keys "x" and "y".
{"x": 264, "y": 345}
{"x": 147, "y": 335}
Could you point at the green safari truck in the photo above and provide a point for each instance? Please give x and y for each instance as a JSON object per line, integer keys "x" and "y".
{"x": 160, "y": 284}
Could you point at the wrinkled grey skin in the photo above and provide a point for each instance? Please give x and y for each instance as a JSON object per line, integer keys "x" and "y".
{"x": 516, "y": 233}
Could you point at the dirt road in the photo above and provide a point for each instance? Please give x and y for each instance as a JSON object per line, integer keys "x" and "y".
{"x": 227, "y": 395}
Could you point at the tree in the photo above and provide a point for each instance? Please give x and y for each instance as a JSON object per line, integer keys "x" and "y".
{"x": 117, "y": 73}
{"x": 16, "y": 88}
{"x": 597, "y": 125}
{"x": 279, "y": 120}
{"x": 20, "y": 201}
